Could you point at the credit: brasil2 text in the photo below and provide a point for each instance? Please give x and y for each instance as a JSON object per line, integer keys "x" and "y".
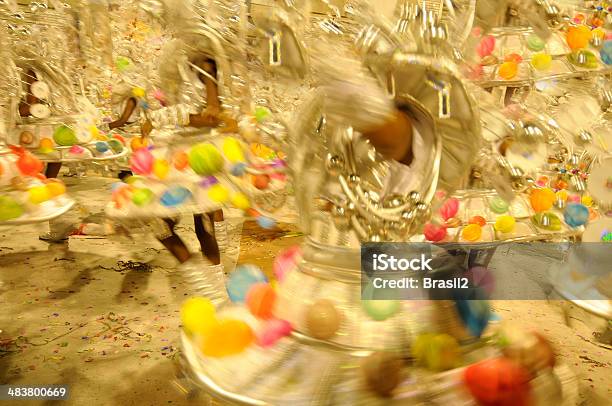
{"x": 415, "y": 283}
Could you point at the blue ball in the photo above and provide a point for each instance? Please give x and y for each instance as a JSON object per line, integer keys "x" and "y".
{"x": 239, "y": 169}
{"x": 475, "y": 315}
{"x": 266, "y": 222}
{"x": 241, "y": 280}
{"x": 102, "y": 146}
{"x": 175, "y": 196}
{"x": 606, "y": 53}
{"x": 576, "y": 215}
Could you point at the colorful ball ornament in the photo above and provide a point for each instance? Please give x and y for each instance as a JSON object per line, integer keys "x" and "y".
{"x": 535, "y": 43}
{"x": 547, "y": 221}
{"x": 55, "y": 187}
{"x": 9, "y": 209}
{"x": 141, "y": 161}
{"x": 541, "y": 62}
{"x": 481, "y": 221}
{"x": 542, "y": 199}
{"x": 434, "y": 232}
{"x": 323, "y": 319}
{"x": 265, "y": 222}
{"x": 233, "y": 150}
{"x": 261, "y": 113}
{"x": 240, "y": 201}
{"x": 272, "y": 331}
{"x": 260, "y": 300}
{"x": 584, "y": 58}
{"x": 142, "y": 197}
{"x": 175, "y": 196}
{"x": 238, "y": 169}
{"x": 46, "y": 145}
{"x": 437, "y": 352}
{"x": 576, "y": 215}
{"x": 382, "y": 372}
{"x": 475, "y": 315}
{"x": 64, "y": 136}
{"x": 513, "y": 58}
{"x": 38, "y": 194}
{"x": 198, "y": 315}
{"x": 102, "y": 146}
{"x": 498, "y": 381}
{"x": 161, "y": 168}
{"x": 138, "y": 143}
{"x": 486, "y": 46}
{"x": 227, "y": 337}
{"x": 218, "y": 193}
{"x": 449, "y": 208}
{"x": 285, "y": 261}
{"x": 578, "y": 37}
{"x": 116, "y": 146}
{"x": 205, "y": 159}
{"x": 498, "y": 205}
{"x": 180, "y": 160}
{"x": 241, "y": 280}
{"x": 261, "y": 181}
{"x": 505, "y": 224}
{"x": 471, "y": 232}
{"x": 380, "y": 310}
{"x": 508, "y": 70}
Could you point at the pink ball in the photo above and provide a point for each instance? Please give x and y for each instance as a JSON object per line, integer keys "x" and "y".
{"x": 486, "y": 46}
{"x": 573, "y": 199}
{"x": 141, "y": 161}
{"x": 286, "y": 261}
{"x": 481, "y": 277}
{"x": 449, "y": 209}
{"x": 272, "y": 331}
{"x": 434, "y": 232}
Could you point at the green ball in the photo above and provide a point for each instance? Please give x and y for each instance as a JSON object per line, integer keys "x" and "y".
{"x": 261, "y": 113}
{"x": 115, "y": 145}
{"x": 64, "y": 136}
{"x": 205, "y": 159}
{"x": 380, "y": 310}
{"x": 122, "y": 63}
{"x": 9, "y": 208}
{"x": 142, "y": 197}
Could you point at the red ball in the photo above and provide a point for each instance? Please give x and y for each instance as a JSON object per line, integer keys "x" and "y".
{"x": 498, "y": 382}
{"x": 260, "y": 300}
{"x": 261, "y": 181}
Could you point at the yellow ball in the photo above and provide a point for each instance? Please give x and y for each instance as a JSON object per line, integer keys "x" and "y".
{"x": 505, "y": 224}
{"x": 95, "y": 133}
{"x": 198, "y": 315}
{"x": 233, "y": 150}
{"x": 56, "y": 188}
{"x": 138, "y": 92}
{"x": 240, "y": 201}
{"x": 161, "y": 167}
{"x": 437, "y": 352}
{"x": 38, "y": 194}
{"x": 218, "y": 193}
{"x": 587, "y": 200}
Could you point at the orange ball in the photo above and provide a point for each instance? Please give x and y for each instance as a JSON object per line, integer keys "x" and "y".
{"x": 138, "y": 143}
{"x": 260, "y": 300}
{"x": 542, "y": 199}
{"x": 180, "y": 160}
{"x": 481, "y": 221}
{"x": 228, "y": 337}
{"x": 261, "y": 181}
{"x": 508, "y": 70}
{"x": 578, "y": 37}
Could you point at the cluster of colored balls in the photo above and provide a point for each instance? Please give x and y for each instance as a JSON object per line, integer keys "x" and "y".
{"x": 436, "y": 352}
{"x": 218, "y": 337}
